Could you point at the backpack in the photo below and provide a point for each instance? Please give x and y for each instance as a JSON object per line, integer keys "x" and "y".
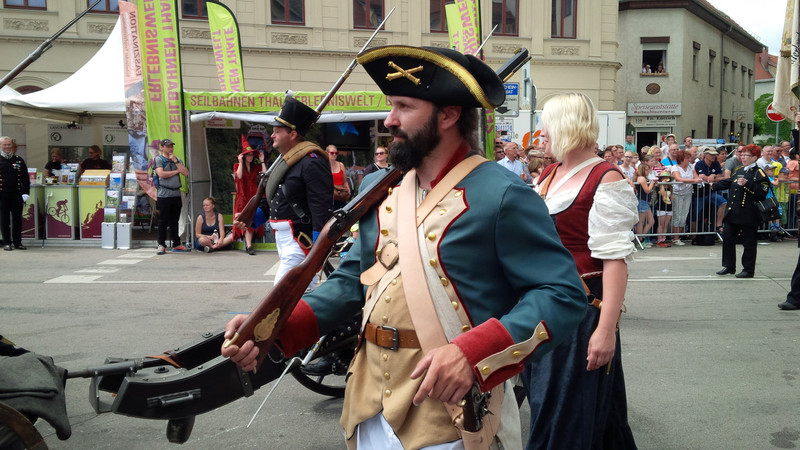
{"x": 705, "y": 239}
{"x": 154, "y": 173}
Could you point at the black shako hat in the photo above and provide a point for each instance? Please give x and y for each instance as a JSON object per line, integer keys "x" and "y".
{"x": 296, "y": 116}
{"x": 439, "y": 75}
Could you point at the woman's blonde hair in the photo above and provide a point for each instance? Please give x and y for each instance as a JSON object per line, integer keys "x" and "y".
{"x": 571, "y": 122}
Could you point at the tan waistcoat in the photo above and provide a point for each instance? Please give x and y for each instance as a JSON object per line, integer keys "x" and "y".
{"x": 379, "y": 379}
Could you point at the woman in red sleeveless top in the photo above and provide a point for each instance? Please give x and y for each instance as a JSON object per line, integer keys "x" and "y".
{"x": 341, "y": 188}
{"x": 246, "y": 180}
{"x": 577, "y": 391}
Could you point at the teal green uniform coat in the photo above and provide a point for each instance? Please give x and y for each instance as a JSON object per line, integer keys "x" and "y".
{"x": 503, "y": 258}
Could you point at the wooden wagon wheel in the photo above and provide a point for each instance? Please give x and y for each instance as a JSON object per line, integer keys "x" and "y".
{"x": 22, "y": 427}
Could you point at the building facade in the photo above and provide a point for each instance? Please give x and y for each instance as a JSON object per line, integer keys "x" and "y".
{"x": 305, "y": 46}
{"x": 687, "y": 69}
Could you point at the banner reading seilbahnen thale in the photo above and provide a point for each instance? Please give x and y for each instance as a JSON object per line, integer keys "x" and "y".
{"x": 161, "y": 63}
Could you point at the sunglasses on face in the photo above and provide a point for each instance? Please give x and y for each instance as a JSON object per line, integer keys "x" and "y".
{"x": 380, "y": 153}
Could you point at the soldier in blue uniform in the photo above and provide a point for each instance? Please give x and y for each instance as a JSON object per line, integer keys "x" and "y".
{"x": 473, "y": 242}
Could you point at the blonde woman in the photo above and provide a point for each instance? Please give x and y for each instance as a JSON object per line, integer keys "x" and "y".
{"x": 644, "y": 189}
{"x": 577, "y": 392}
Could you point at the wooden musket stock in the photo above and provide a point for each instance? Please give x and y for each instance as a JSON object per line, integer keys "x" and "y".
{"x": 265, "y": 322}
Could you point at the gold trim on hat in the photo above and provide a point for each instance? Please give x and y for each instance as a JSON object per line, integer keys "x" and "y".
{"x": 440, "y": 60}
{"x": 403, "y": 73}
{"x": 285, "y": 123}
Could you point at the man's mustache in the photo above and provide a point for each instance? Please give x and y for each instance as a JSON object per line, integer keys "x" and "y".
{"x": 397, "y": 132}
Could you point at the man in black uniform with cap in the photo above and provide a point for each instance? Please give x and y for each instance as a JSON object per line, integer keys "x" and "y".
{"x": 299, "y": 198}
{"x": 14, "y": 189}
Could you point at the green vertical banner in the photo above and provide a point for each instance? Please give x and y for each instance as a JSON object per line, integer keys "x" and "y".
{"x": 227, "y": 47}
{"x": 163, "y": 86}
{"x": 463, "y": 26}
{"x": 464, "y": 29}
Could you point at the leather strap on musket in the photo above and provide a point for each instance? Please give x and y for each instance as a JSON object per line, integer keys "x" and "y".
{"x": 167, "y": 357}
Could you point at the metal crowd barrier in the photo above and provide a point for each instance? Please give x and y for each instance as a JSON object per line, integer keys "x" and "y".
{"x": 704, "y": 216}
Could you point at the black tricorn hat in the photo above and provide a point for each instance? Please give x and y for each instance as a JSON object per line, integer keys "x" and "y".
{"x": 439, "y": 75}
{"x": 296, "y": 116}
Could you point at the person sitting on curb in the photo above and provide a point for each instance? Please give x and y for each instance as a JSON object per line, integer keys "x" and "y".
{"x": 208, "y": 228}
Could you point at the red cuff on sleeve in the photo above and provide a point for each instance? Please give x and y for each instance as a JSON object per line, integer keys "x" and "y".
{"x": 482, "y": 341}
{"x": 301, "y": 330}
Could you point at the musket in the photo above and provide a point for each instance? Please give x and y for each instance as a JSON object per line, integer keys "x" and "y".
{"x": 513, "y": 64}
{"x": 249, "y": 211}
{"x": 43, "y": 47}
{"x": 350, "y": 68}
{"x": 269, "y": 317}
{"x": 485, "y": 41}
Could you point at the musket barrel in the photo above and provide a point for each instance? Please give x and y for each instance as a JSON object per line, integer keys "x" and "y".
{"x": 350, "y": 68}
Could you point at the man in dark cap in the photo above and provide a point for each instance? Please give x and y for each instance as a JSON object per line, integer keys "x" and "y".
{"x": 449, "y": 301}
{"x": 299, "y": 194}
{"x": 169, "y": 168}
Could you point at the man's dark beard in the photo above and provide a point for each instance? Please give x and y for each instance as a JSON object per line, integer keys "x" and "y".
{"x": 409, "y": 153}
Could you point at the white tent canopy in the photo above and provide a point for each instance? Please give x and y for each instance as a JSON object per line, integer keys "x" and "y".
{"x": 8, "y": 92}
{"x": 97, "y": 87}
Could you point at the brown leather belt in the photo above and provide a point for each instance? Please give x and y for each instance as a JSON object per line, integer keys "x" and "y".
{"x": 391, "y": 338}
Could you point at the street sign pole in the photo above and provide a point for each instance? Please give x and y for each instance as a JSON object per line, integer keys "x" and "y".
{"x": 776, "y": 117}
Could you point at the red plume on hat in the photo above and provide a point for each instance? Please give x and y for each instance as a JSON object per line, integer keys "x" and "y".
{"x": 246, "y": 146}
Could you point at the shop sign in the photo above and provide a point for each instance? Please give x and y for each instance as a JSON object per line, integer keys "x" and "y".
{"x": 654, "y": 109}
{"x": 69, "y": 135}
{"x": 654, "y": 121}
{"x": 114, "y": 135}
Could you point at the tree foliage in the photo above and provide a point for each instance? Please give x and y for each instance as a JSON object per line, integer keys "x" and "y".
{"x": 762, "y": 125}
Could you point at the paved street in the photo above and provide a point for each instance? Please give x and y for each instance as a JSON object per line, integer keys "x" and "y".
{"x": 710, "y": 361}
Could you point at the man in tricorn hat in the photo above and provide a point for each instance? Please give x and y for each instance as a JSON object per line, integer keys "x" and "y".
{"x": 299, "y": 199}
{"x": 439, "y": 243}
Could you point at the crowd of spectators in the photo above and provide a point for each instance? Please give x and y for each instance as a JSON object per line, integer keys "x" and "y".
{"x": 673, "y": 181}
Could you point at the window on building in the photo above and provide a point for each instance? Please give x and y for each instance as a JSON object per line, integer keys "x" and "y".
{"x": 367, "y": 13}
{"x": 28, "y": 4}
{"x": 288, "y": 12}
{"x": 109, "y": 6}
{"x": 563, "y": 19}
{"x": 505, "y": 14}
{"x": 711, "y": 63}
{"x": 749, "y": 84}
{"x": 725, "y": 75}
{"x": 694, "y": 66}
{"x": 744, "y": 80}
{"x": 28, "y": 89}
{"x": 195, "y": 9}
{"x": 438, "y": 16}
{"x": 654, "y": 61}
